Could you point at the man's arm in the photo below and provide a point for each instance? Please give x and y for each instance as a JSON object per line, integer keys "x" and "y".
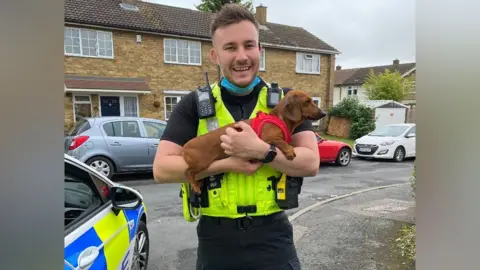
{"x": 307, "y": 160}
{"x": 169, "y": 165}
{"x": 247, "y": 144}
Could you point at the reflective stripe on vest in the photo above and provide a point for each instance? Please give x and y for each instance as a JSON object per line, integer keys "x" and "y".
{"x": 238, "y": 189}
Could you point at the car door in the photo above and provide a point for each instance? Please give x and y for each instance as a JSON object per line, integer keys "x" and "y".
{"x": 325, "y": 150}
{"x": 410, "y": 143}
{"x": 96, "y": 236}
{"x": 153, "y": 131}
{"x": 126, "y": 144}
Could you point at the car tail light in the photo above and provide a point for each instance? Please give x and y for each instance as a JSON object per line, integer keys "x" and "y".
{"x": 77, "y": 141}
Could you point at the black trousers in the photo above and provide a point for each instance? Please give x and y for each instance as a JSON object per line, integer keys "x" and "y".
{"x": 250, "y": 243}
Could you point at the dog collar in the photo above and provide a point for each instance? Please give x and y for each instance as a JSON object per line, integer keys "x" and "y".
{"x": 262, "y": 118}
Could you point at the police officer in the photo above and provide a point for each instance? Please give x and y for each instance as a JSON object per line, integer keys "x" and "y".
{"x": 242, "y": 227}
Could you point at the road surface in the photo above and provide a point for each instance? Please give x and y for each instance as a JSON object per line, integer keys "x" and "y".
{"x": 173, "y": 241}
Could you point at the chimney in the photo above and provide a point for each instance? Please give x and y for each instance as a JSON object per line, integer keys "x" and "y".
{"x": 261, "y": 14}
{"x": 396, "y": 62}
{"x": 339, "y": 68}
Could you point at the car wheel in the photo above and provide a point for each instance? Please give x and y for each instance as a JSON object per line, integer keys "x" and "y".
{"x": 102, "y": 165}
{"x": 344, "y": 157}
{"x": 141, "y": 250}
{"x": 399, "y": 154}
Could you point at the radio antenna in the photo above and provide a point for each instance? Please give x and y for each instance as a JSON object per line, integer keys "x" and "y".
{"x": 206, "y": 78}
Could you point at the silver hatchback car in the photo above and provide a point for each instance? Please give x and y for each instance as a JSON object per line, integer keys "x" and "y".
{"x": 115, "y": 145}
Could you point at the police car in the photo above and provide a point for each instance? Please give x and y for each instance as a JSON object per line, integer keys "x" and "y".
{"x": 105, "y": 222}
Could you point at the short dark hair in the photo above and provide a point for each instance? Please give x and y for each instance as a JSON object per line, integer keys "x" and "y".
{"x": 231, "y": 14}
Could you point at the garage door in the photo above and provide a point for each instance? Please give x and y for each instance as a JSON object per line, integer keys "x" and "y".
{"x": 386, "y": 116}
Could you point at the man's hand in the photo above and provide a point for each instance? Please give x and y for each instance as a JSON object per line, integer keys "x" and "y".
{"x": 244, "y": 144}
{"x": 243, "y": 166}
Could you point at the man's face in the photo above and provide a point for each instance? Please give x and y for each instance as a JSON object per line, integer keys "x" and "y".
{"x": 236, "y": 50}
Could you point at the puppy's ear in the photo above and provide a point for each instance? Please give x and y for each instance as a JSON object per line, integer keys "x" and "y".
{"x": 293, "y": 111}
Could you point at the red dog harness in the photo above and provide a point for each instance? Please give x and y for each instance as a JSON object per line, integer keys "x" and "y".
{"x": 262, "y": 118}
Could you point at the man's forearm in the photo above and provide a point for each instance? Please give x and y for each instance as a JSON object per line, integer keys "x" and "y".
{"x": 303, "y": 165}
{"x": 171, "y": 169}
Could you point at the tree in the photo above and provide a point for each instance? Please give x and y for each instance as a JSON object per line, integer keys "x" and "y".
{"x": 216, "y": 5}
{"x": 388, "y": 86}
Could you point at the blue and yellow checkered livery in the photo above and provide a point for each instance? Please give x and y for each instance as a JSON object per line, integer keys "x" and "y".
{"x": 112, "y": 235}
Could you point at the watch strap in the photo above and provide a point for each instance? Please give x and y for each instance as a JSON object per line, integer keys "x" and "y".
{"x": 272, "y": 153}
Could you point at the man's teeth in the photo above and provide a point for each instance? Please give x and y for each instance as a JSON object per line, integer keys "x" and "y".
{"x": 242, "y": 69}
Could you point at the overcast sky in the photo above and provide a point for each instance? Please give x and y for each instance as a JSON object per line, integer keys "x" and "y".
{"x": 366, "y": 32}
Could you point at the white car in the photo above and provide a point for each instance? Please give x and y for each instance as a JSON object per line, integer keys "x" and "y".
{"x": 395, "y": 141}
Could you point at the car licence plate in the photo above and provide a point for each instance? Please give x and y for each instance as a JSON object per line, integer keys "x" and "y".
{"x": 365, "y": 149}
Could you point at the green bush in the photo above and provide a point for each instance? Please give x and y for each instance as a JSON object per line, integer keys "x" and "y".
{"x": 361, "y": 116}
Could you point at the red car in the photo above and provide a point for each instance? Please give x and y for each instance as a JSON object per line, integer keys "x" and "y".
{"x": 334, "y": 151}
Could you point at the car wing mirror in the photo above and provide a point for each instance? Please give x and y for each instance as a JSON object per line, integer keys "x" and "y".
{"x": 124, "y": 197}
{"x": 411, "y": 135}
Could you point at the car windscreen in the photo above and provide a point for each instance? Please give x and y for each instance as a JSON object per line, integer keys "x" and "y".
{"x": 389, "y": 131}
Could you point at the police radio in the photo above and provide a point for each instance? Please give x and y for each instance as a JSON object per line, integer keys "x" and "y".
{"x": 273, "y": 95}
{"x": 205, "y": 100}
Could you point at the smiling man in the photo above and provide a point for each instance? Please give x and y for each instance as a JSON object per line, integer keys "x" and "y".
{"x": 242, "y": 225}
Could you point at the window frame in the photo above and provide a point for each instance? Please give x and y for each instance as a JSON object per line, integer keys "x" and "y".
{"x": 121, "y": 125}
{"x": 262, "y": 60}
{"x": 74, "y": 102}
{"x": 303, "y": 55}
{"x": 96, "y": 45}
{"x": 319, "y": 99}
{"x": 189, "y": 42}
{"x": 178, "y": 97}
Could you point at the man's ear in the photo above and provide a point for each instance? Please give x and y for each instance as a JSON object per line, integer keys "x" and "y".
{"x": 292, "y": 109}
{"x": 214, "y": 57}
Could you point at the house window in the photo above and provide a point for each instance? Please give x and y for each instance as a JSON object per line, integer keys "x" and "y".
{"x": 352, "y": 92}
{"x": 82, "y": 107}
{"x": 170, "y": 103}
{"x": 262, "y": 60}
{"x": 308, "y": 63}
{"x": 87, "y": 43}
{"x": 318, "y": 102}
{"x": 179, "y": 51}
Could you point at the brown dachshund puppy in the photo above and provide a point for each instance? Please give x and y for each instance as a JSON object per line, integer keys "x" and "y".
{"x": 293, "y": 109}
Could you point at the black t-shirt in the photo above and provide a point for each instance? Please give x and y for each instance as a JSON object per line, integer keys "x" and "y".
{"x": 183, "y": 122}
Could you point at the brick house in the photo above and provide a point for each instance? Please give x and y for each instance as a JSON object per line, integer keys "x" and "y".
{"x": 134, "y": 58}
{"x": 348, "y": 82}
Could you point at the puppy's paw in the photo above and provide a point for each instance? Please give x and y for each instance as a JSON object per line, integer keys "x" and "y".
{"x": 290, "y": 155}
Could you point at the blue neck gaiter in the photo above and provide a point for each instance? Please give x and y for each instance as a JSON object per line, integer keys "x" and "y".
{"x": 239, "y": 90}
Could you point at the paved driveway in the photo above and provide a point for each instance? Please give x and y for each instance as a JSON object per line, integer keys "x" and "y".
{"x": 173, "y": 241}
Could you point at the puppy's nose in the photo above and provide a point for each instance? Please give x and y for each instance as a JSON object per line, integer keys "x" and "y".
{"x": 322, "y": 113}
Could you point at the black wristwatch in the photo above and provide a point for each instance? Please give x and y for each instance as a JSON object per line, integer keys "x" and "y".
{"x": 272, "y": 153}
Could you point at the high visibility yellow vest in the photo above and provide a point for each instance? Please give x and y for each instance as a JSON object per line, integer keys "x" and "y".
{"x": 237, "y": 191}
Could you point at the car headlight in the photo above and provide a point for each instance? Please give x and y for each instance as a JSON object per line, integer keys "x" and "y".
{"x": 387, "y": 143}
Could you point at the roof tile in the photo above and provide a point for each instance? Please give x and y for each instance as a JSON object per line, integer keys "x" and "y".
{"x": 165, "y": 19}
{"x": 359, "y": 75}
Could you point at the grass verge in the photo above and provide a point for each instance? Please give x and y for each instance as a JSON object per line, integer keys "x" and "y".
{"x": 406, "y": 242}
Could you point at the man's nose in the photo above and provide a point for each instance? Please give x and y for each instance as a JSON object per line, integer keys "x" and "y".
{"x": 241, "y": 54}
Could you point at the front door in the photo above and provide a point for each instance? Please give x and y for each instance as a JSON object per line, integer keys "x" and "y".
{"x": 110, "y": 106}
